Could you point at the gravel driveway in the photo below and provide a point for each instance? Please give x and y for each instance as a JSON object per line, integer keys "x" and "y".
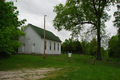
{"x": 25, "y": 74}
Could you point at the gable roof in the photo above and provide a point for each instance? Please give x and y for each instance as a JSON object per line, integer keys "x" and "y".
{"x": 48, "y": 35}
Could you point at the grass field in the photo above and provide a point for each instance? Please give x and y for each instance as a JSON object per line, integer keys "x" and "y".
{"x": 79, "y": 68}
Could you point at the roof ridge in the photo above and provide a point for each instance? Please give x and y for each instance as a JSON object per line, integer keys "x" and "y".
{"x": 39, "y": 27}
{"x": 48, "y": 34}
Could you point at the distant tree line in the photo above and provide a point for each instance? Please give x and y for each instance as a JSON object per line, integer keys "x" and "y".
{"x": 72, "y": 46}
{"x": 90, "y": 47}
{"x": 83, "y": 47}
{"x": 114, "y": 47}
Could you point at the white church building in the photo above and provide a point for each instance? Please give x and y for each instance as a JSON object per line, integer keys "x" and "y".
{"x": 33, "y": 42}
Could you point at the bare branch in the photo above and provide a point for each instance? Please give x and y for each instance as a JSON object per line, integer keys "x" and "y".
{"x": 84, "y": 22}
{"x": 87, "y": 23}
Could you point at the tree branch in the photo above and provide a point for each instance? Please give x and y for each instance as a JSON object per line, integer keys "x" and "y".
{"x": 104, "y": 3}
{"x": 96, "y": 12}
{"x": 99, "y": 11}
{"x": 85, "y": 22}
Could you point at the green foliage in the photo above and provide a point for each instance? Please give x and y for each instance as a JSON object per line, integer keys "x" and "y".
{"x": 77, "y": 47}
{"x": 9, "y": 31}
{"x": 23, "y": 27}
{"x": 104, "y": 53}
{"x": 117, "y": 20}
{"x": 85, "y": 46}
{"x": 93, "y": 47}
{"x": 72, "y": 46}
{"x": 113, "y": 47}
{"x": 90, "y": 48}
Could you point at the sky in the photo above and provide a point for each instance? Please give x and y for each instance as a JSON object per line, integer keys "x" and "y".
{"x": 34, "y": 10}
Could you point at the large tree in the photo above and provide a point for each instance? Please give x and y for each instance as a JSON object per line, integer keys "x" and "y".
{"x": 9, "y": 31}
{"x": 75, "y": 13}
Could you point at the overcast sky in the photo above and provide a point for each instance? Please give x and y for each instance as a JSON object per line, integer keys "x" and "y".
{"x": 34, "y": 11}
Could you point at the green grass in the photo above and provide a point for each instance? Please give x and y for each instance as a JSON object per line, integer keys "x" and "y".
{"x": 76, "y": 69}
{"x": 28, "y": 61}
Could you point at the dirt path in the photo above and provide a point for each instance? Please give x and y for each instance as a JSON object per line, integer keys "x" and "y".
{"x": 25, "y": 74}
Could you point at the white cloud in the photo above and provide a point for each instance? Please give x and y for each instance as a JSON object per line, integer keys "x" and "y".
{"x": 110, "y": 28}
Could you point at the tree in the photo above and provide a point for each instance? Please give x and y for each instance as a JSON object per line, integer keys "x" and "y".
{"x": 23, "y": 27}
{"x": 103, "y": 52}
{"x": 66, "y": 45}
{"x": 9, "y": 31}
{"x": 85, "y": 46}
{"x": 113, "y": 47}
{"x": 93, "y": 47}
{"x": 75, "y": 13}
{"x": 77, "y": 48}
{"x": 71, "y": 46}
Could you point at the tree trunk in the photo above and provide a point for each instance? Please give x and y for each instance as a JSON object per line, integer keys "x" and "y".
{"x": 98, "y": 41}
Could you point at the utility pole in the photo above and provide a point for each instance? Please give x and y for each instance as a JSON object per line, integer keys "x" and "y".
{"x": 44, "y": 35}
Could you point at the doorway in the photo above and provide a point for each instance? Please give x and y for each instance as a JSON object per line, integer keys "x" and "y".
{"x": 23, "y": 48}
{"x": 33, "y": 48}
